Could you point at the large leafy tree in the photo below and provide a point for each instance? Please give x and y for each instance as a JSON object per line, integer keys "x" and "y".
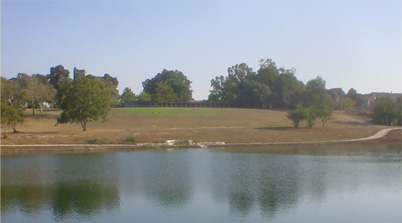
{"x": 86, "y": 99}
{"x": 318, "y": 100}
{"x": 239, "y": 88}
{"x": 34, "y": 90}
{"x": 268, "y": 74}
{"x": 269, "y": 87}
{"x": 224, "y": 89}
{"x": 287, "y": 89}
{"x": 316, "y": 93}
{"x": 164, "y": 92}
{"x": 168, "y": 85}
{"x": 254, "y": 94}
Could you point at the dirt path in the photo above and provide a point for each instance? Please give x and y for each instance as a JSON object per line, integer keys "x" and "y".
{"x": 378, "y": 135}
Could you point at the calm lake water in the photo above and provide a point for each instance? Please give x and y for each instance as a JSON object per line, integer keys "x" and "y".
{"x": 355, "y": 183}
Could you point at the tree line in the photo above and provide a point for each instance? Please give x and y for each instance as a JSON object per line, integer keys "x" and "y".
{"x": 88, "y": 98}
{"x": 81, "y": 99}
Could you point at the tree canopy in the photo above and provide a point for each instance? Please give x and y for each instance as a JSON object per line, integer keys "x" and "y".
{"x": 273, "y": 87}
{"x": 28, "y": 90}
{"x": 9, "y": 115}
{"x": 86, "y": 99}
{"x": 270, "y": 87}
{"x": 387, "y": 112}
{"x": 12, "y": 92}
{"x": 297, "y": 115}
{"x": 318, "y": 100}
{"x": 113, "y": 80}
{"x": 168, "y": 86}
{"x": 57, "y": 74}
{"x": 127, "y": 96}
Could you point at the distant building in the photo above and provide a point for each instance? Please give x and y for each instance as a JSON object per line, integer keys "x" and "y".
{"x": 79, "y": 73}
{"x": 337, "y": 94}
{"x": 364, "y": 101}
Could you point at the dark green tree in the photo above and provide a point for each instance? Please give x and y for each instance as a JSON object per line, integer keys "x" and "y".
{"x": 86, "y": 99}
{"x": 127, "y": 96}
{"x": 254, "y": 94}
{"x": 225, "y": 89}
{"x": 269, "y": 87}
{"x": 113, "y": 80}
{"x": 318, "y": 100}
{"x": 239, "y": 88}
{"x": 287, "y": 90}
{"x": 9, "y": 115}
{"x": 399, "y": 105}
{"x": 168, "y": 81}
{"x": 316, "y": 93}
{"x": 386, "y": 112}
{"x": 164, "y": 92}
{"x": 57, "y": 74}
{"x": 144, "y": 96}
{"x": 268, "y": 74}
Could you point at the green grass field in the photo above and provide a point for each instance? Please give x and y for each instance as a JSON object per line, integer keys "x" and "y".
{"x": 173, "y": 112}
{"x": 198, "y": 124}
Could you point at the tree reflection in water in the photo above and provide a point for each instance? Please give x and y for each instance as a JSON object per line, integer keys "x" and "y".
{"x": 269, "y": 182}
{"x": 237, "y": 183}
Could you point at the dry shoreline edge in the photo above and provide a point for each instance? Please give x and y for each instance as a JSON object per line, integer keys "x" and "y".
{"x": 377, "y": 135}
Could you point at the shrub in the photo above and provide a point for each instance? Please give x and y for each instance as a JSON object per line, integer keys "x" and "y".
{"x": 131, "y": 138}
{"x": 96, "y": 141}
{"x": 297, "y": 115}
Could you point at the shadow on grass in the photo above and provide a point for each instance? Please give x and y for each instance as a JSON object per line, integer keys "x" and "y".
{"x": 40, "y": 116}
{"x": 277, "y": 128}
{"x": 36, "y": 133}
{"x": 353, "y": 123}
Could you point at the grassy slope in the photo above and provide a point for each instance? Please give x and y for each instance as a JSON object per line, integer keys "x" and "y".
{"x": 198, "y": 124}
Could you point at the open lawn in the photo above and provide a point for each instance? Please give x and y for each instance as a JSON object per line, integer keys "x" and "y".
{"x": 126, "y": 125}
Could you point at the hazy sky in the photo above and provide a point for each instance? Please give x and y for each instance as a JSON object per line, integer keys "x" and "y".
{"x": 350, "y": 43}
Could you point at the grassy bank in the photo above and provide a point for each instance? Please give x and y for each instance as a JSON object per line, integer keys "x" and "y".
{"x": 127, "y": 125}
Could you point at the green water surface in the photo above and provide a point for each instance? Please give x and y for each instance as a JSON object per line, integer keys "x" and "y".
{"x": 261, "y": 184}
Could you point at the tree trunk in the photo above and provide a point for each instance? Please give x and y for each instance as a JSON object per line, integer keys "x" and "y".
{"x": 41, "y": 109}
{"x": 84, "y": 125}
{"x": 33, "y": 108}
{"x": 5, "y": 128}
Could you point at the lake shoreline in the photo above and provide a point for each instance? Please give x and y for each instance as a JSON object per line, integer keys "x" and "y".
{"x": 392, "y": 135}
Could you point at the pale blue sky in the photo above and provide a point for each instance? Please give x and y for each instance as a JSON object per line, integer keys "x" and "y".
{"x": 352, "y": 43}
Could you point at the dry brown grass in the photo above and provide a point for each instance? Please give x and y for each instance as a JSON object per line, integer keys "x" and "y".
{"x": 198, "y": 124}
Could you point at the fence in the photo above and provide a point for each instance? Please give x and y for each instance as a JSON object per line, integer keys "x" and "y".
{"x": 193, "y": 104}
